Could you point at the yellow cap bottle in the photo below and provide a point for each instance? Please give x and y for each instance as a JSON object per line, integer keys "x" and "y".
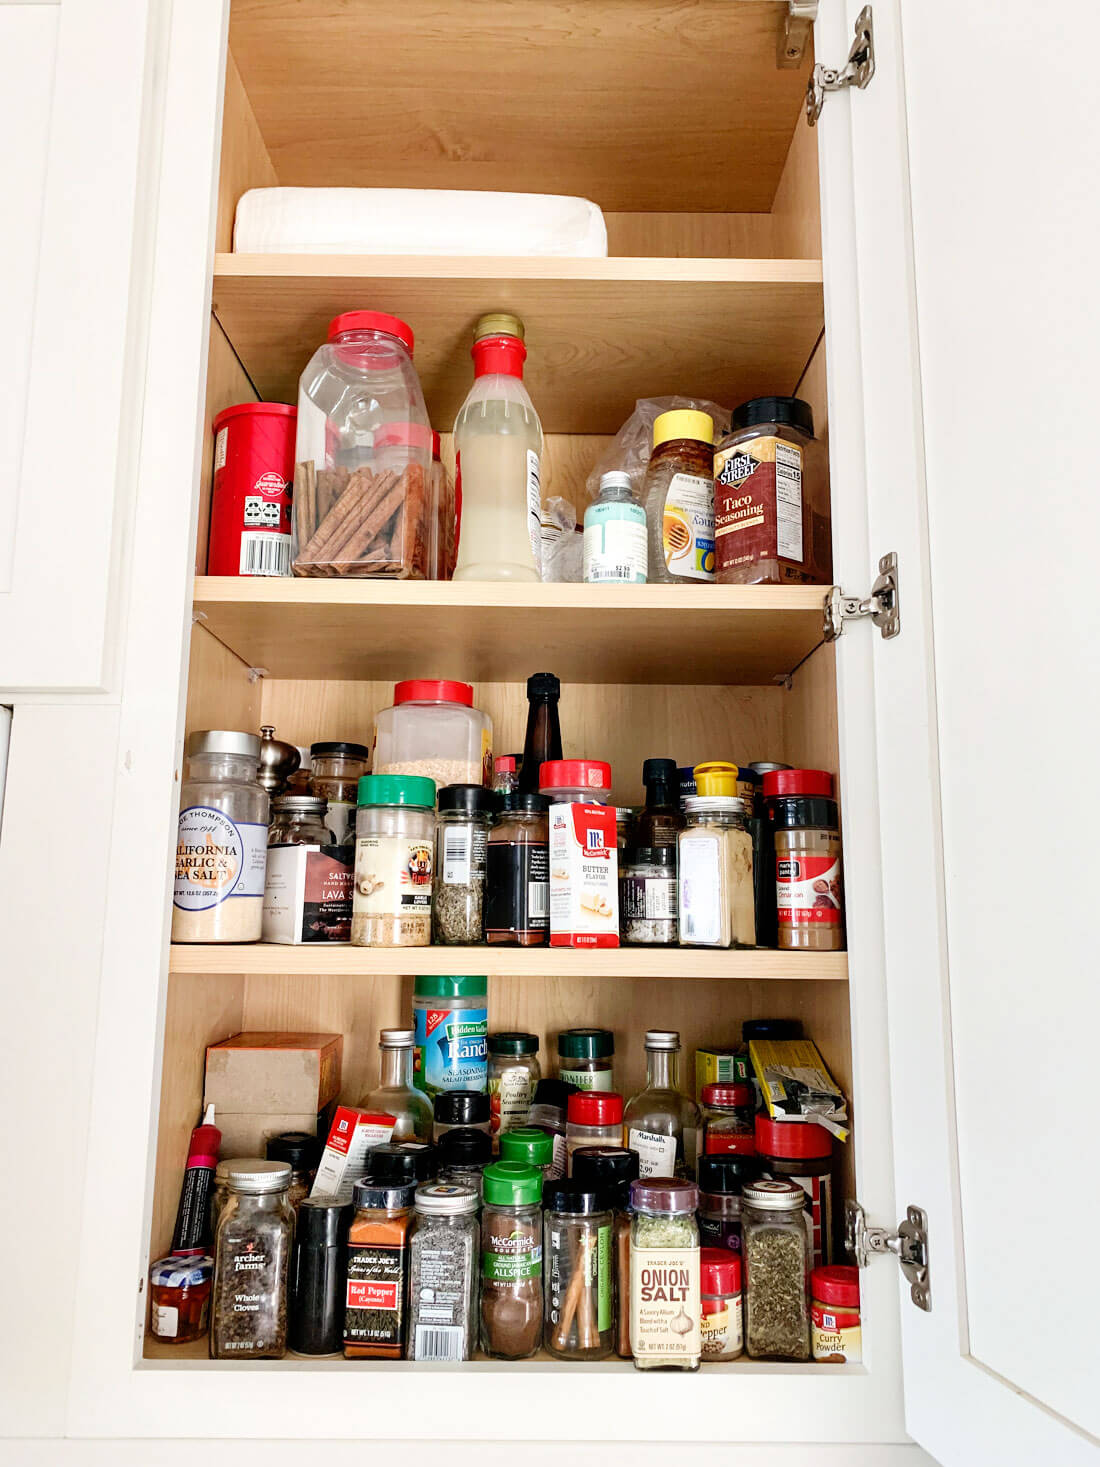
{"x": 716, "y": 778}
{"x": 683, "y": 423}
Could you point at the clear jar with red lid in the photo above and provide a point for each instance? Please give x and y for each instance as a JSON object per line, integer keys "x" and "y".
{"x": 434, "y": 730}
{"x": 579, "y": 781}
{"x": 729, "y": 1113}
{"x": 802, "y": 1152}
{"x": 806, "y": 830}
{"x": 835, "y": 1331}
{"x": 362, "y": 505}
{"x": 592, "y": 1118}
{"x": 720, "y": 1301}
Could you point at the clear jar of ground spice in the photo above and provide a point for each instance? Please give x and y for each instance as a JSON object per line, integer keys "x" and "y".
{"x": 461, "y": 844}
{"x": 251, "y": 1263}
{"x": 808, "y": 891}
{"x": 376, "y": 1299}
{"x": 443, "y": 1272}
{"x": 394, "y": 862}
{"x": 514, "y": 1072}
{"x": 517, "y": 886}
{"x": 511, "y": 1261}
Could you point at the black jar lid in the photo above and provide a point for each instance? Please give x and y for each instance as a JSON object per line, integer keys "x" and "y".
{"x": 652, "y": 856}
{"x": 513, "y": 1044}
{"x": 396, "y": 1163}
{"x": 796, "y": 812}
{"x": 543, "y": 685}
{"x": 466, "y": 799}
{"x": 513, "y": 801}
{"x": 464, "y": 1146}
{"x": 727, "y": 1171}
{"x": 660, "y": 769}
{"x": 338, "y": 747}
{"x": 571, "y": 1196}
{"x": 606, "y": 1168}
{"x": 322, "y": 1222}
{"x": 553, "y": 1093}
{"x": 371, "y": 1192}
{"x": 790, "y": 410}
{"x": 299, "y": 1148}
{"x": 771, "y": 1029}
{"x": 461, "y": 1108}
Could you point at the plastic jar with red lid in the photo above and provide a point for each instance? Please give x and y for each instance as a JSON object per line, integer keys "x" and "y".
{"x": 802, "y": 810}
{"x": 729, "y": 1111}
{"x": 592, "y": 1118}
{"x": 433, "y": 729}
{"x": 720, "y": 1298}
{"x": 583, "y": 781}
{"x": 802, "y": 1152}
{"x": 250, "y": 503}
{"x": 835, "y": 1331}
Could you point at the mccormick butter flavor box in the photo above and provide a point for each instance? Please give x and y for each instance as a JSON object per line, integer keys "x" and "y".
{"x": 584, "y": 876}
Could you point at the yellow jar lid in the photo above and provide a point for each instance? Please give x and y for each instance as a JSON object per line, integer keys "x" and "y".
{"x": 716, "y": 778}
{"x": 683, "y": 423}
{"x": 499, "y": 323}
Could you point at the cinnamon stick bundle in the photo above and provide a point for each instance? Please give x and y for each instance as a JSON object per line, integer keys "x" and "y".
{"x": 376, "y": 523}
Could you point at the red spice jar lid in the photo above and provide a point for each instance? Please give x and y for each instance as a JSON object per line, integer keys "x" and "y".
{"x": 798, "y": 782}
{"x": 722, "y": 1092}
{"x": 720, "y": 1271}
{"x": 437, "y": 445}
{"x": 595, "y": 1108}
{"x": 792, "y": 1140}
{"x": 569, "y": 774}
{"x": 433, "y": 690}
{"x": 417, "y": 435}
{"x": 371, "y": 321}
{"x": 248, "y": 409}
{"x": 505, "y": 764}
{"x": 664, "y": 1194}
{"x": 837, "y": 1284}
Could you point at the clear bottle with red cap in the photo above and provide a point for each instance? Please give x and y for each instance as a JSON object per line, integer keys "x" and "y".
{"x": 592, "y": 1118}
{"x": 498, "y": 456}
{"x": 433, "y": 729}
{"x": 728, "y": 1114}
{"x": 362, "y": 504}
{"x": 808, "y": 889}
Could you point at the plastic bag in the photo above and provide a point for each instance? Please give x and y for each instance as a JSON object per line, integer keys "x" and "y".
{"x": 633, "y": 443}
{"x": 562, "y": 547}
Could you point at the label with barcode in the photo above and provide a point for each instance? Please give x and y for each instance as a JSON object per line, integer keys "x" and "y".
{"x": 438, "y": 1342}
{"x": 265, "y": 555}
{"x": 538, "y": 899}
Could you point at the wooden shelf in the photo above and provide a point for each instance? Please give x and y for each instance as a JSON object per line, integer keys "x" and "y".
{"x": 600, "y": 333}
{"x": 544, "y": 962}
{"x": 492, "y": 632}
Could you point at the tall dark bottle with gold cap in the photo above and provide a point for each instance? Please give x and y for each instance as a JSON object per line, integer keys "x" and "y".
{"x": 498, "y": 450}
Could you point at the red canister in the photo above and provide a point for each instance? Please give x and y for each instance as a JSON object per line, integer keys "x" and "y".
{"x": 253, "y": 473}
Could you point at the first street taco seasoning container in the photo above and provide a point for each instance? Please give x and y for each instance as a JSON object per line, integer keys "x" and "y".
{"x": 808, "y": 891}
{"x": 835, "y": 1332}
{"x": 250, "y": 504}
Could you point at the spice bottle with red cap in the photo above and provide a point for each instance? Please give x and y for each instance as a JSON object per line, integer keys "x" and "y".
{"x": 808, "y": 889}
{"x": 584, "y": 860}
{"x": 835, "y": 1332}
{"x": 250, "y": 502}
{"x": 362, "y": 505}
{"x": 433, "y": 729}
{"x": 593, "y": 1118}
{"x": 728, "y": 1118}
{"x": 720, "y": 1301}
{"x": 802, "y": 1152}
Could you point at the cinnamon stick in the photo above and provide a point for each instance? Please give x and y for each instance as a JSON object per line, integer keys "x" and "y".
{"x": 341, "y": 519}
{"x": 305, "y": 500}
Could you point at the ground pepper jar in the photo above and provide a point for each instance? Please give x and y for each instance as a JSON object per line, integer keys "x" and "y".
{"x": 665, "y": 1312}
{"x": 336, "y": 768}
{"x": 394, "y": 862}
{"x": 720, "y": 1293}
{"x": 461, "y": 844}
{"x": 317, "y": 1268}
{"x": 579, "y": 1320}
{"x": 517, "y": 884}
{"x": 511, "y": 1261}
{"x": 375, "y": 1302}
{"x": 514, "y": 1072}
{"x": 444, "y": 1259}
{"x": 776, "y": 1258}
{"x": 251, "y": 1263}
{"x": 808, "y": 891}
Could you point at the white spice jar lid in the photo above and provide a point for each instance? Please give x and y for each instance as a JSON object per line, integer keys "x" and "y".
{"x": 254, "y": 1175}
{"x": 449, "y": 1199}
{"x": 775, "y": 1196}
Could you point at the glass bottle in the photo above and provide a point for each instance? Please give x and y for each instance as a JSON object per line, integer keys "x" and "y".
{"x": 377, "y": 1277}
{"x": 461, "y": 843}
{"x": 335, "y": 769}
{"x": 542, "y": 741}
{"x": 514, "y": 1072}
{"x": 506, "y": 773}
{"x": 615, "y": 547}
{"x": 395, "y": 1094}
{"x": 251, "y": 1263}
{"x": 660, "y": 1123}
{"x": 301, "y": 1152}
{"x": 517, "y": 882}
{"x": 498, "y": 452}
{"x": 679, "y": 498}
{"x": 729, "y": 1118}
{"x": 298, "y": 820}
{"x": 665, "y": 1303}
{"x": 579, "y": 1319}
{"x": 776, "y": 1254}
{"x": 511, "y": 1261}
{"x": 221, "y": 846}
{"x": 660, "y": 820}
{"x": 613, "y": 1167}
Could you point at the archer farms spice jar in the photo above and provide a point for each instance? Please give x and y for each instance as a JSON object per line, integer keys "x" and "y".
{"x": 776, "y": 1257}
{"x": 511, "y": 1261}
{"x": 434, "y": 730}
{"x": 444, "y": 1259}
{"x": 665, "y": 1308}
{"x": 579, "y": 1321}
{"x": 808, "y": 890}
{"x": 461, "y": 844}
{"x": 835, "y": 1333}
{"x": 517, "y": 890}
{"x": 394, "y": 862}
{"x": 221, "y": 846}
{"x": 251, "y": 1264}
{"x": 720, "y": 1292}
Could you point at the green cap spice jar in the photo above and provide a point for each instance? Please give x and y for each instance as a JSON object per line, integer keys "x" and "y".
{"x": 394, "y": 861}
{"x": 585, "y": 1057}
{"x": 511, "y": 1261}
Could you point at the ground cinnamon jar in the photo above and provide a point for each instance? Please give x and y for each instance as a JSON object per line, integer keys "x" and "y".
{"x": 808, "y": 890}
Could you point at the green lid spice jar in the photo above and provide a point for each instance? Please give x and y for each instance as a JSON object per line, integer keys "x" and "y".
{"x": 394, "y": 861}
{"x": 665, "y": 1308}
{"x": 531, "y": 1145}
{"x": 585, "y": 1058}
{"x": 451, "y": 1027}
{"x": 511, "y": 1261}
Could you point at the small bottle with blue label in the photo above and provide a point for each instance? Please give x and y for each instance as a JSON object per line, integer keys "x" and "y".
{"x": 616, "y": 551}
{"x": 451, "y": 1027}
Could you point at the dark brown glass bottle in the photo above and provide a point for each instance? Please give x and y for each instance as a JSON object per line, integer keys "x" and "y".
{"x": 659, "y": 822}
{"x": 543, "y": 738}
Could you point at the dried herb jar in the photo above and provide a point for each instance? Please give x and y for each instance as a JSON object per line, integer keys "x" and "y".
{"x": 777, "y": 1258}
{"x": 251, "y": 1262}
{"x": 461, "y": 844}
{"x": 443, "y": 1272}
{"x": 514, "y": 1072}
{"x": 665, "y": 1307}
{"x": 394, "y": 861}
{"x": 579, "y": 1318}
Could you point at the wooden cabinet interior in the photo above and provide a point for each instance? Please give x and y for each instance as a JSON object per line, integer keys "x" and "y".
{"x": 715, "y": 259}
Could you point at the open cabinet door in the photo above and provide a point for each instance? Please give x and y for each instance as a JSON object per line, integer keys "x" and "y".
{"x": 960, "y": 298}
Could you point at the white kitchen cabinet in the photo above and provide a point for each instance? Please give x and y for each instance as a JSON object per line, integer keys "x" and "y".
{"x": 951, "y": 1021}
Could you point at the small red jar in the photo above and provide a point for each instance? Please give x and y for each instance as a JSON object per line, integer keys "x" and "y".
{"x": 253, "y": 473}
{"x": 835, "y": 1331}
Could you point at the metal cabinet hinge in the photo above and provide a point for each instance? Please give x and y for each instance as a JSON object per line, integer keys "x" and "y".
{"x": 856, "y": 72}
{"x": 909, "y": 1245}
{"x": 798, "y": 27}
{"x": 883, "y": 605}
